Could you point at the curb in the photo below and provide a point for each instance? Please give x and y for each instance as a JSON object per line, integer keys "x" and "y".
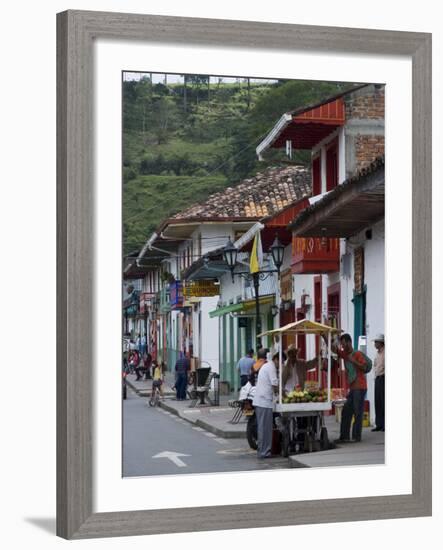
{"x": 142, "y": 392}
{"x": 218, "y": 432}
{"x": 206, "y": 426}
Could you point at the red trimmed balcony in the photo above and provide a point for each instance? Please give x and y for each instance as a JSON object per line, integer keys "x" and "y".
{"x": 313, "y": 255}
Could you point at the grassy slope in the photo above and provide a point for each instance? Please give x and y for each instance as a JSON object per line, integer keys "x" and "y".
{"x": 150, "y": 199}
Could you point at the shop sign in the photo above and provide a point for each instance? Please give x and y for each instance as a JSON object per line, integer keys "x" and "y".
{"x": 176, "y": 294}
{"x": 201, "y": 289}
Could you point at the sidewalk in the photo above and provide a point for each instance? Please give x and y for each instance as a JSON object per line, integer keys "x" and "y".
{"x": 370, "y": 451}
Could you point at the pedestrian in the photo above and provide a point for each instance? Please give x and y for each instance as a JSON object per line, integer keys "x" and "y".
{"x": 137, "y": 365}
{"x": 379, "y": 373}
{"x": 357, "y": 364}
{"x": 182, "y": 368}
{"x": 244, "y": 366}
{"x": 138, "y": 343}
{"x": 266, "y": 388}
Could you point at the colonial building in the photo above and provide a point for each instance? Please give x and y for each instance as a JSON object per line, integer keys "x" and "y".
{"x": 345, "y": 135}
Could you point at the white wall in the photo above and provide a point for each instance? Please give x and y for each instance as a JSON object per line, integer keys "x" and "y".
{"x": 210, "y": 333}
{"x": 375, "y": 299}
{"x": 230, "y": 292}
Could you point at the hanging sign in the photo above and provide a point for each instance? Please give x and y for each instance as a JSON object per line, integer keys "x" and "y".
{"x": 201, "y": 289}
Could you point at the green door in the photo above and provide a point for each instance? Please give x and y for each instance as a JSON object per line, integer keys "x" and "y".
{"x": 248, "y": 335}
{"x": 232, "y": 370}
{"x": 223, "y": 364}
{"x": 359, "y": 316}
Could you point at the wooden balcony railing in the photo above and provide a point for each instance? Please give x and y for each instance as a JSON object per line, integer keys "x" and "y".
{"x": 315, "y": 255}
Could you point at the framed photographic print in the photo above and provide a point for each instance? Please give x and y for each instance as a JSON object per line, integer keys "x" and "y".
{"x": 230, "y": 263}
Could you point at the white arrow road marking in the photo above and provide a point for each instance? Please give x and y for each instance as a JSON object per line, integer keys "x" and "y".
{"x": 173, "y": 457}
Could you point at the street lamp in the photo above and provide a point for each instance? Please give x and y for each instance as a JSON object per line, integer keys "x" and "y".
{"x": 230, "y": 254}
{"x": 278, "y": 252}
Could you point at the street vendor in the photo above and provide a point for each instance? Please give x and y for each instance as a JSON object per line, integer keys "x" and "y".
{"x": 266, "y": 388}
{"x": 295, "y": 369}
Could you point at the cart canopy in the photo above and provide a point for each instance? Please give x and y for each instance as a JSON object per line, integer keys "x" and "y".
{"x": 304, "y": 326}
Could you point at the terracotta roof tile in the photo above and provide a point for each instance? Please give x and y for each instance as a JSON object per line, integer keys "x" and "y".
{"x": 263, "y": 195}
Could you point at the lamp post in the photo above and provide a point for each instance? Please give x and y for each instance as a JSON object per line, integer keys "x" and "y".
{"x": 230, "y": 254}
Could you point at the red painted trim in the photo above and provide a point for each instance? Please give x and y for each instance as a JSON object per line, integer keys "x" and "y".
{"x": 332, "y": 161}
{"x": 316, "y": 175}
{"x": 318, "y": 297}
{"x": 332, "y": 112}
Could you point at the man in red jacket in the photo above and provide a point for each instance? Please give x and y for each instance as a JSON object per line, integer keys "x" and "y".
{"x": 356, "y": 364}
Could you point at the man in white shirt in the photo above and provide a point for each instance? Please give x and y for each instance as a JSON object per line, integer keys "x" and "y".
{"x": 379, "y": 372}
{"x": 266, "y": 388}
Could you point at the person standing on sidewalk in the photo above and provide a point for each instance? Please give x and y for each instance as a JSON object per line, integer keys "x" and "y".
{"x": 379, "y": 372}
{"x": 266, "y": 387}
{"x": 244, "y": 366}
{"x": 182, "y": 368}
{"x": 356, "y": 366}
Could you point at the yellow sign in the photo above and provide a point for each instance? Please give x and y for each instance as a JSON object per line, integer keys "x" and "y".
{"x": 201, "y": 289}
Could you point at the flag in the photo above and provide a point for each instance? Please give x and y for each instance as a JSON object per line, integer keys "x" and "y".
{"x": 256, "y": 260}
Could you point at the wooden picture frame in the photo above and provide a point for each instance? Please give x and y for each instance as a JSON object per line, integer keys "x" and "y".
{"x": 76, "y": 32}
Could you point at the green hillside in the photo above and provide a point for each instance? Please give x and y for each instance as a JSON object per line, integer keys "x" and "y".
{"x": 182, "y": 142}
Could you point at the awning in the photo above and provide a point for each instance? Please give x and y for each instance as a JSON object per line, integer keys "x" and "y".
{"x": 245, "y": 307}
{"x": 304, "y": 326}
{"x": 351, "y": 207}
{"x": 263, "y": 301}
{"x": 307, "y": 126}
{"x": 226, "y": 309}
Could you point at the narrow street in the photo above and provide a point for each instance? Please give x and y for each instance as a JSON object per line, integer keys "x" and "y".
{"x": 148, "y": 432}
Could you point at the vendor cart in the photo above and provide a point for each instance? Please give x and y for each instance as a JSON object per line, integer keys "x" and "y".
{"x": 302, "y": 425}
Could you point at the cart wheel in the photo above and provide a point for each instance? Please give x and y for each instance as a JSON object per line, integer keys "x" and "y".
{"x": 307, "y": 445}
{"x": 251, "y": 432}
{"x": 324, "y": 440}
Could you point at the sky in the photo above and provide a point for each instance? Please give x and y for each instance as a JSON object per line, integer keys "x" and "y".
{"x": 177, "y": 78}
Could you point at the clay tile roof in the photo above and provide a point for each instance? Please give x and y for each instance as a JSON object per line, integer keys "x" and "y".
{"x": 263, "y": 195}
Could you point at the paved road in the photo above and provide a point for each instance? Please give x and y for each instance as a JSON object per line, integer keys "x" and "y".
{"x": 149, "y": 431}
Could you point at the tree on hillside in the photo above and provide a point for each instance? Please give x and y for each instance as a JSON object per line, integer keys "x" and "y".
{"x": 164, "y": 118}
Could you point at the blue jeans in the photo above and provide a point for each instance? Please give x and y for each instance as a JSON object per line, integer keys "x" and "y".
{"x": 354, "y": 406}
{"x": 180, "y": 385}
